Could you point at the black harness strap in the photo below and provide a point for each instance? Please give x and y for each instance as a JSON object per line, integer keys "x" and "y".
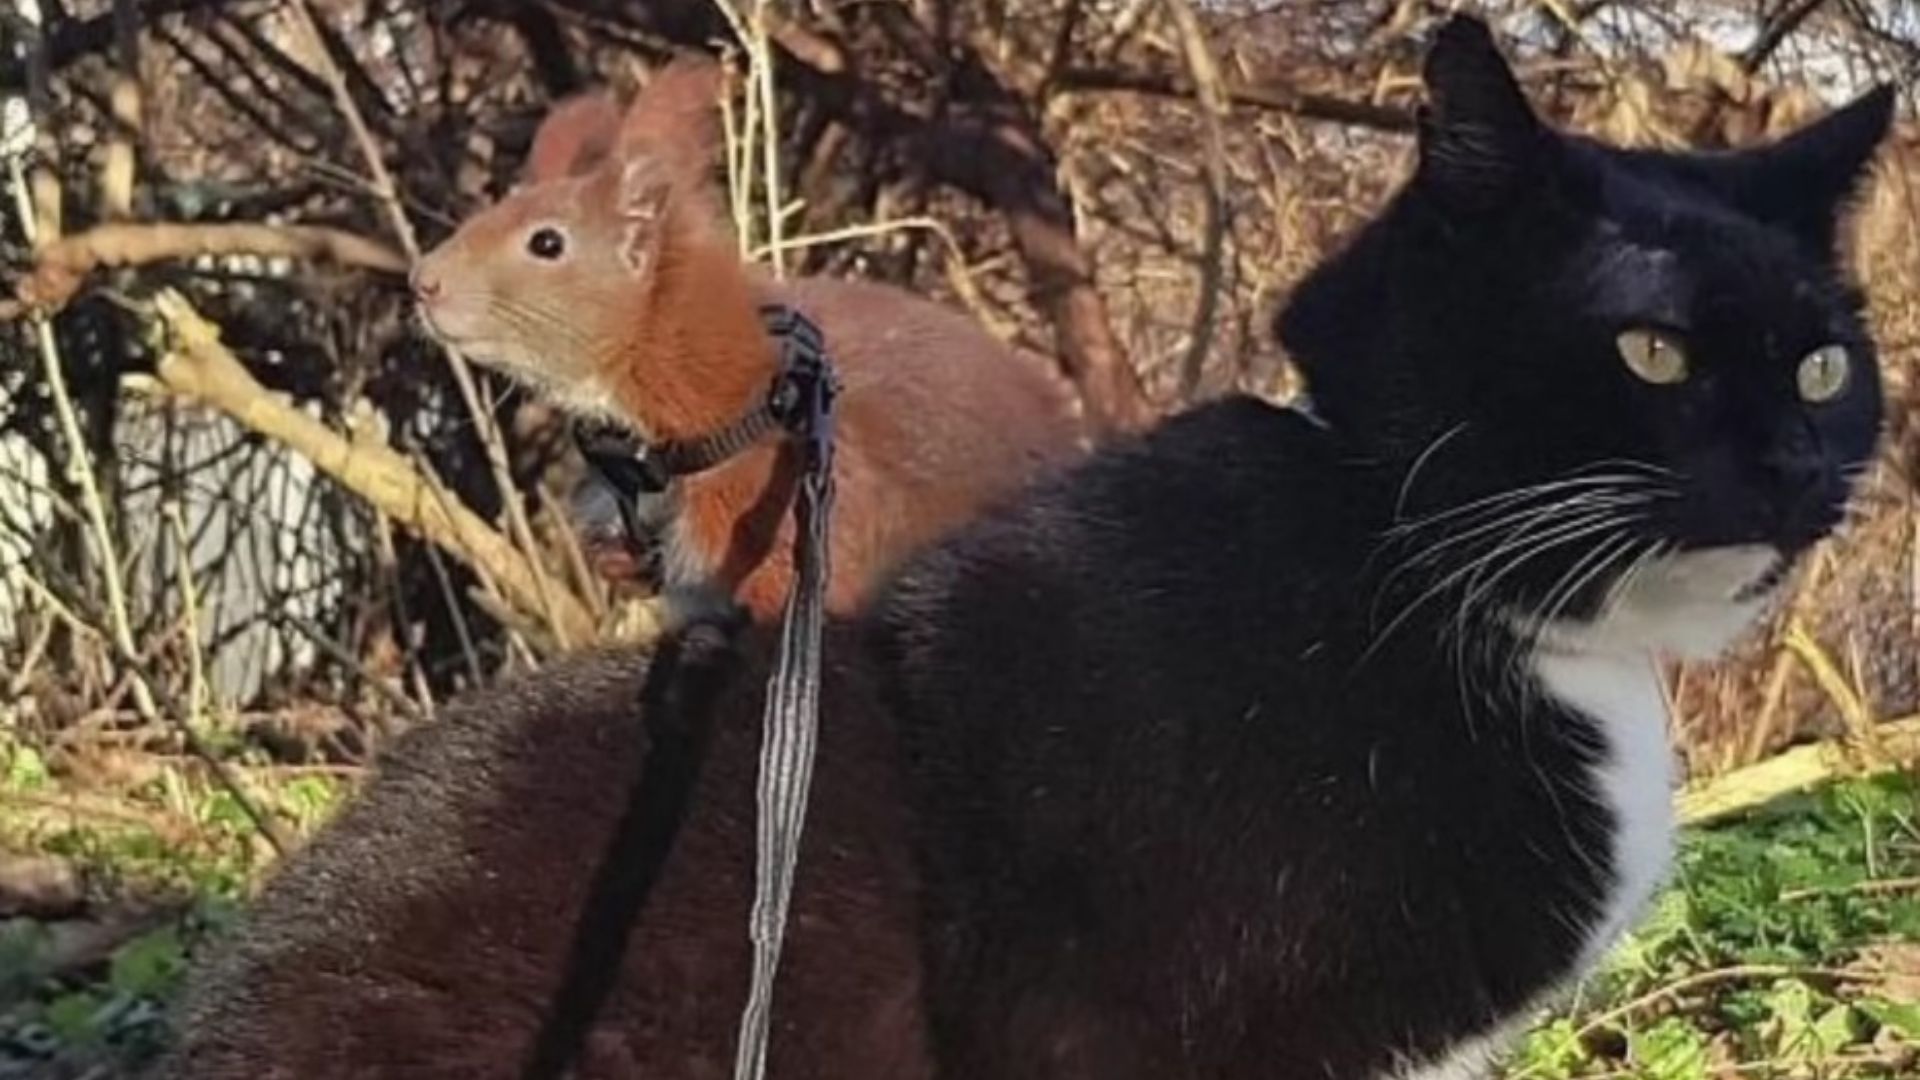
{"x": 800, "y": 402}
{"x": 636, "y": 468}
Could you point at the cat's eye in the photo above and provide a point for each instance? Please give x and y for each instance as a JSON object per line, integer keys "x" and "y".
{"x": 547, "y": 242}
{"x": 1823, "y": 374}
{"x": 1653, "y": 356}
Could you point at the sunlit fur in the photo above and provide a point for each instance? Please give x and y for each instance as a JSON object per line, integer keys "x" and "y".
{"x": 644, "y": 314}
{"x": 1333, "y": 746}
{"x": 1262, "y": 746}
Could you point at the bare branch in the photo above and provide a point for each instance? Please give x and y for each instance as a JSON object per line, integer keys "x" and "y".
{"x": 1213, "y": 110}
{"x": 199, "y": 366}
{"x": 61, "y": 267}
{"x": 321, "y": 56}
{"x": 1775, "y": 31}
{"x": 1732, "y": 794}
{"x": 1273, "y": 98}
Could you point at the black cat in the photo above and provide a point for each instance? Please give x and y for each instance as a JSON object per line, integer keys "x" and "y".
{"x": 1270, "y": 746}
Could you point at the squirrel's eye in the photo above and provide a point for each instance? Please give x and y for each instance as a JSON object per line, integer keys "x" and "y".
{"x": 547, "y": 242}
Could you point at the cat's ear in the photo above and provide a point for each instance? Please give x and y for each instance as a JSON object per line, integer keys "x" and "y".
{"x": 1805, "y": 182}
{"x": 1478, "y": 136}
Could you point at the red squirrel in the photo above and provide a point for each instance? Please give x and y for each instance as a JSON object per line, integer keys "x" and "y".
{"x": 609, "y": 282}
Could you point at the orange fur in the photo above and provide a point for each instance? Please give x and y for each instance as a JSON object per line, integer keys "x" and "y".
{"x": 422, "y": 935}
{"x": 674, "y": 112}
{"x": 651, "y": 318}
{"x": 576, "y": 136}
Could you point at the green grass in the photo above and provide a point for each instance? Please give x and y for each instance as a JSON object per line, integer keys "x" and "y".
{"x": 1787, "y": 946}
{"x": 169, "y": 859}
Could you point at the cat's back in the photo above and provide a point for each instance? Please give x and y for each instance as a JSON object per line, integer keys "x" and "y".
{"x": 1189, "y": 572}
{"x": 426, "y": 931}
{"x": 333, "y": 971}
{"x": 1205, "y": 519}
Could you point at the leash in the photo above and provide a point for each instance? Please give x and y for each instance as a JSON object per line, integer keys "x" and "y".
{"x": 790, "y": 728}
{"x": 800, "y": 404}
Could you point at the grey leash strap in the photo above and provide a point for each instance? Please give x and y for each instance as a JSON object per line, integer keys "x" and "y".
{"x": 679, "y": 699}
{"x": 790, "y": 727}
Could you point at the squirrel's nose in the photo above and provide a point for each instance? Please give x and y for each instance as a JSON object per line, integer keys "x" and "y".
{"x": 425, "y": 284}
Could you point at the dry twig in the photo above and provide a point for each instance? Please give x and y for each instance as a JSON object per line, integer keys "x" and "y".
{"x": 552, "y": 601}
{"x": 120, "y": 622}
{"x": 1797, "y": 769}
{"x": 1213, "y": 113}
{"x": 196, "y": 364}
{"x": 61, "y": 266}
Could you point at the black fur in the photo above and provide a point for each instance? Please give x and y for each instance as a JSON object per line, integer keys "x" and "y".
{"x": 689, "y": 669}
{"x": 1209, "y": 780}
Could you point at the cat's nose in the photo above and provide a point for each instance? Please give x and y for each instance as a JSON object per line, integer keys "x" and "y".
{"x": 1805, "y": 506}
{"x": 1794, "y": 470}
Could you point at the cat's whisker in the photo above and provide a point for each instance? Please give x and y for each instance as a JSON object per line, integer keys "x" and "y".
{"x": 1593, "y": 501}
{"x": 1496, "y": 539}
{"x": 1564, "y": 530}
{"x": 1474, "y": 534}
{"x": 1485, "y": 589}
{"x": 1649, "y": 467}
{"x": 1610, "y": 533}
{"x": 1487, "y": 503}
{"x": 1472, "y": 529}
{"x": 1567, "y": 589}
{"x": 1413, "y": 471}
{"x": 1598, "y": 498}
{"x": 1521, "y": 549}
{"x": 1478, "y": 590}
{"x": 1557, "y": 608}
{"x": 1501, "y": 531}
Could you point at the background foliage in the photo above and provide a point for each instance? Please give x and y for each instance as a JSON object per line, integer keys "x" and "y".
{"x": 210, "y": 613}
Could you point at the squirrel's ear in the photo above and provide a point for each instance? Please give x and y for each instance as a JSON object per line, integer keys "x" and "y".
{"x": 642, "y": 196}
{"x": 677, "y": 112}
{"x": 575, "y": 137}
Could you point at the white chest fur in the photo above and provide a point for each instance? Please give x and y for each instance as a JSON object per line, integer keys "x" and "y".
{"x": 1691, "y": 605}
{"x": 1621, "y": 694}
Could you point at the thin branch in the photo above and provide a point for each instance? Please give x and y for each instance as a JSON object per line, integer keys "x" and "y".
{"x": 68, "y": 40}
{"x": 197, "y": 693}
{"x": 1701, "y": 980}
{"x": 388, "y": 194}
{"x": 1853, "y": 709}
{"x": 197, "y": 365}
{"x": 1870, "y": 887}
{"x": 1213, "y": 111}
{"x": 60, "y": 268}
{"x": 1775, "y": 33}
{"x": 120, "y": 622}
{"x": 1309, "y": 106}
{"x": 339, "y": 655}
{"x": 1732, "y": 794}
